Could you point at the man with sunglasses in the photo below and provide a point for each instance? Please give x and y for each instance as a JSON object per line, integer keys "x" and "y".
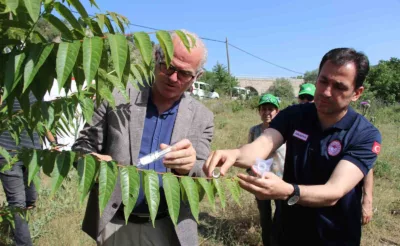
{"x": 306, "y": 93}
{"x": 156, "y": 117}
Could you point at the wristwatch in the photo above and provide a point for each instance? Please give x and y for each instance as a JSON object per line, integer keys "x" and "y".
{"x": 295, "y": 196}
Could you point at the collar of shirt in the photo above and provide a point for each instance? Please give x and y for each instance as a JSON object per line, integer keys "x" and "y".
{"x": 344, "y": 123}
{"x": 172, "y": 110}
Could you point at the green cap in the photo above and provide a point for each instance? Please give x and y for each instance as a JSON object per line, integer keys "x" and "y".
{"x": 308, "y": 89}
{"x": 269, "y": 98}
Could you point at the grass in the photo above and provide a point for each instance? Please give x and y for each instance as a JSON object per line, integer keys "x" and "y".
{"x": 57, "y": 221}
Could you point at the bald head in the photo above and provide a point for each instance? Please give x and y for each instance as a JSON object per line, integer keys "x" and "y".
{"x": 196, "y": 56}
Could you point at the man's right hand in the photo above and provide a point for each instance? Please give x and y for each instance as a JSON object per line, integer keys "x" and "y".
{"x": 102, "y": 157}
{"x": 221, "y": 158}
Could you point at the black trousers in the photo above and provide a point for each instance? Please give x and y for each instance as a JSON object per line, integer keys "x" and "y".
{"x": 19, "y": 195}
{"x": 269, "y": 227}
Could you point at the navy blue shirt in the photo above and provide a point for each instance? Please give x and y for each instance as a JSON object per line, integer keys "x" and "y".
{"x": 312, "y": 155}
{"x": 157, "y": 129}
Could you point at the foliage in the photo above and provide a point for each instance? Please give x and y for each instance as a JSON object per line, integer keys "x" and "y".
{"x": 220, "y": 79}
{"x": 311, "y": 76}
{"x": 282, "y": 88}
{"x": 384, "y": 80}
{"x": 88, "y": 48}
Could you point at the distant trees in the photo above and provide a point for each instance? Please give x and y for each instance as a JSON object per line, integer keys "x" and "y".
{"x": 220, "y": 79}
{"x": 383, "y": 80}
{"x": 282, "y": 88}
{"x": 311, "y": 76}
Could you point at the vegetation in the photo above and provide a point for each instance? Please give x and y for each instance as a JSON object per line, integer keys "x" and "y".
{"x": 220, "y": 79}
{"x": 384, "y": 81}
{"x": 59, "y": 219}
{"x": 282, "y": 88}
{"x": 311, "y": 76}
{"x": 88, "y": 48}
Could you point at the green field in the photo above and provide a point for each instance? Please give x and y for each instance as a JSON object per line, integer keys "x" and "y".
{"x": 57, "y": 221}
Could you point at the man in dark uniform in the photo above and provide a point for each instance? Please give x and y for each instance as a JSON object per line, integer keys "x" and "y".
{"x": 330, "y": 148}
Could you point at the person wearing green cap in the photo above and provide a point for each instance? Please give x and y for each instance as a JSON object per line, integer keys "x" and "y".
{"x": 306, "y": 93}
{"x": 268, "y": 108}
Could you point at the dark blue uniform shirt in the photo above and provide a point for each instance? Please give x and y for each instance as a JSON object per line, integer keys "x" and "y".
{"x": 312, "y": 155}
{"x": 157, "y": 130}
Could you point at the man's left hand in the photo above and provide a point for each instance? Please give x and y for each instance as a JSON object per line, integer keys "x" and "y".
{"x": 182, "y": 157}
{"x": 267, "y": 187}
{"x": 366, "y": 210}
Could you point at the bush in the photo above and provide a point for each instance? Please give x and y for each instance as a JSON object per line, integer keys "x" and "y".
{"x": 282, "y": 88}
{"x": 237, "y": 106}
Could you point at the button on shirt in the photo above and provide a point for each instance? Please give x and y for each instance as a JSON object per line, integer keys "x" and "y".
{"x": 312, "y": 155}
{"x": 157, "y": 129}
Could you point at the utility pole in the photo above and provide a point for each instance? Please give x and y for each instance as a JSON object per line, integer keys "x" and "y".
{"x": 229, "y": 66}
{"x": 227, "y": 56}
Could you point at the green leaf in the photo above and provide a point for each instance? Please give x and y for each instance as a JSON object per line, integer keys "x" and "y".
{"x": 143, "y": 43}
{"x": 59, "y": 25}
{"x": 93, "y": 3}
{"x": 117, "y": 21}
{"x": 184, "y": 39}
{"x": 109, "y": 25}
{"x": 79, "y": 7}
{"x": 62, "y": 166}
{"x": 36, "y": 182}
{"x": 234, "y": 188}
{"x": 13, "y": 73}
{"x": 33, "y": 166}
{"x": 201, "y": 191}
{"x": 119, "y": 48}
{"x": 172, "y": 195}
{"x": 166, "y": 44}
{"x": 193, "y": 39}
{"x": 192, "y": 194}
{"x": 130, "y": 185}
{"x": 33, "y": 7}
{"x": 152, "y": 193}
{"x": 66, "y": 13}
{"x": 135, "y": 76}
{"x": 37, "y": 56}
{"x": 100, "y": 20}
{"x": 107, "y": 180}
{"x": 5, "y": 154}
{"x": 220, "y": 192}
{"x": 107, "y": 95}
{"x": 44, "y": 78}
{"x": 87, "y": 106}
{"x": 49, "y": 159}
{"x": 12, "y": 5}
{"x": 37, "y": 37}
{"x": 88, "y": 168}
{"x": 92, "y": 50}
{"x": 144, "y": 73}
{"x": 115, "y": 81}
{"x": 207, "y": 187}
{"x": 66, "y": 57}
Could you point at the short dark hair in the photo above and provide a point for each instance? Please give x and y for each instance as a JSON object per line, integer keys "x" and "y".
{"x": 342, "y": 56}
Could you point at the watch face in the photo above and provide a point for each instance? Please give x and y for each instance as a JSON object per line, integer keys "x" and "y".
{"x": 293, "y": 200}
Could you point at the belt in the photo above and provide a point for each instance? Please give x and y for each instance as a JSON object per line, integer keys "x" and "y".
{"x": 145, "y": 218}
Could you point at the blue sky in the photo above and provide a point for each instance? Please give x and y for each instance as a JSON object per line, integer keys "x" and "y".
{"x": 294, "y": 34}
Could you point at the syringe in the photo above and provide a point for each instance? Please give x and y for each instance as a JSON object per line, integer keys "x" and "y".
{"x": 152, "y": 157}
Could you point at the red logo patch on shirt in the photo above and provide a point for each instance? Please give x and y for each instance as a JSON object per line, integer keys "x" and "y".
{"x": 376, "y": 148}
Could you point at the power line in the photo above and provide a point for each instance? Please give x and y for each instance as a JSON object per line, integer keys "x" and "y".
{"x": 285, "y": 68}
{"x": 218, "y": 41}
